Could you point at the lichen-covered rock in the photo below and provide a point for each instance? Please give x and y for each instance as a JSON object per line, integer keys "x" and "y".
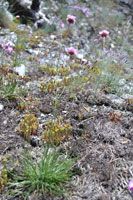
{"x": 126, "y": 3}
{"x": 6, "y": 18}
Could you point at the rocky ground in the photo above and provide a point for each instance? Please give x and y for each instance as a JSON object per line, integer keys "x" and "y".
{"x": 95, "y": 94}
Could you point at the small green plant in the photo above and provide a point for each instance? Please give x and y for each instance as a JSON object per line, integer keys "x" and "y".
{"x": 33, "y": 58}
{"x": 20, "y": 45}
{"x": 47, "y": 175}
{"x": 64, "y": 71}
{"x": 49, "y": 70}
{"x": 4, "y": 181}
{"x": 9, "y": 86}
{"x": 80, "y": 116}
{"x": 28, "y": 105}
{"x": 34, "y": 39}
{"x": 56, "y": 131}
{"x": 28, "y": 126}
{"x": 109, "y": 83}
{"x": 66, "y": 81}
{"x": 50, "y": 87}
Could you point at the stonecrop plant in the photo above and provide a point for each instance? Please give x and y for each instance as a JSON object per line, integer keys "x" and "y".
{"x": 28, "y": 126}
{"x": 49, "y": 70}
{"x": 49, "y": 87}
{"x": 4, "y": 181}
{"x": 56, "y": 131}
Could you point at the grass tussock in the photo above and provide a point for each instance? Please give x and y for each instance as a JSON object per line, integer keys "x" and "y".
{"x": 47, "y": 174}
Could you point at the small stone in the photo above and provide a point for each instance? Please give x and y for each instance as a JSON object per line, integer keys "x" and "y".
{"x": 46, "y": 109}
{"x": 21, "y": 69}
{"x": 1, "y": 107}
{"x": 122, "y": 82}
{"x": 80, "y": 56}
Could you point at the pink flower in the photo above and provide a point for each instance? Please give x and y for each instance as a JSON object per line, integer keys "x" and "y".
{"x": 9, "y": 49}
{"x": 71, "y": 19}
{"x": 17, "y": 17}
{"x": 77, "y": 7}
{"x": 87, "y": 13}
{"x": 6, "y": 45}
{"x": 72, "y": 51}
{"x": 130, "y": 185}
{"x": 62, "y": 54}
{"x": 84, "y": 60}
{"x": 104, "y": 33}
{"x": 27, "y": 99}
{"x": 2, "y": 45}
{"x": 84, "y": 10}
{"x": 32, "y": 107}
{"x": 62, "y": 25}
{"x": 39, "y": 61}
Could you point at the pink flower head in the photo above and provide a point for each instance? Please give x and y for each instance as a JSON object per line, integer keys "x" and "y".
{"x": 71, "y": 19}
{"x": 84, "y": 10}
{"x": 62, "y": 25}
{"x": 17, "y": 17}
{"x": 9, "y": 49}
{"x": 104, "y": 33}
{"x": 84, "y": 60}
{"x": 72, "y": 51}
{"x": 77, "y": 7}
{"x": 6, "y": 45}
{"x": 2, "y": 45}
{"x": 130, "y": 185}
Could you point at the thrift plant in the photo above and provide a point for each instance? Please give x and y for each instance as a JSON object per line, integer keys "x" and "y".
{"x": 130, "y": 186}
{"x": 72, "y": 51}
{"x": 7, "y": 47}
{"x": 71, "y": 19}
{"x": 104, "y": 33}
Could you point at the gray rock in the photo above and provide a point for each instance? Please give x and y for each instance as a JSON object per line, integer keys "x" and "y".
{"x": 126, "y": 3}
